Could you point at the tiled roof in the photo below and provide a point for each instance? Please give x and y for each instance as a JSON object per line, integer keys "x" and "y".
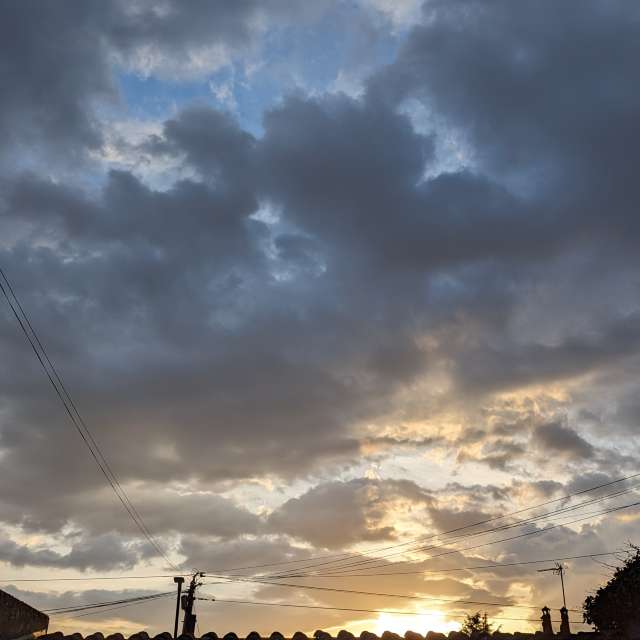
{"x": 18, "y": 619}
{"x": 318, "y": 635}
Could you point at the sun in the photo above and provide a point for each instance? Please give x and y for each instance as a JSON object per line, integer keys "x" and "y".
{"x": 421, "y": 623}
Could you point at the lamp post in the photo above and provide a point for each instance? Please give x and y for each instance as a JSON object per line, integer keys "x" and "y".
{"x": 179, "y": 581}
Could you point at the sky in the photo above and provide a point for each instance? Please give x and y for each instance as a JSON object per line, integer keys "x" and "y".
{"x": 321, "y": 278}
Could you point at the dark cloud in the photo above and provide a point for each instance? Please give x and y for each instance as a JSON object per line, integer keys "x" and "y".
{"x": 558, "y": 438}
{"x": 361, "y": 507}
{"x": 299, "y": 303}
{"x": 104, "y": 552}
{"x": 58, "y": 61}
{"x": 497, "y": 454}
{"x": 444, "y": 519}
{"x": 512, "y": 366}
{"x": 54, "y": 67}
{"x": 529, "y": 93}
{"x": 214, "y": 555}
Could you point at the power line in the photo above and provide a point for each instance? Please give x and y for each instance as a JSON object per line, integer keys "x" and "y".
{"x": 95, "y": 449}
{"x": 431, "y": 536}
{"x": 360, "y": 610}
{"x": 74, "y": 414}
{"x": 315, "y": 575}
{"x": 391, "y": 595}
{"x": 446, "y": 543}
{"x": 338, "y": 568}
{"x": 90, "y": 578}
{"x": 96, "y": 605}
{"x": 532, "y": 533}
{"x": 121, "y": 606}
{"x": 453, "y": 569}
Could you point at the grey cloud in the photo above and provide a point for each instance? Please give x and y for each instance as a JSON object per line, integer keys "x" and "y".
{"x": 213, "y": 555}
{"x": 511, "y": 365}
{"x": 95, "y": 510}
{"x": 337, "y": 514}
{"x": 351, "y": 174}
{"x": 244, "y": 348}
{"x": 246, "y": 333}
{"x": 58, "y": 60}
{"x": 214, "y": 144}
{"x": 627, "y": 413}
{"x": 99, "y": 553}
{"x": 526, "y": 89}
{"x": 53, "y": 69}
{"x": 444, "y": 519}
{"x": 556, "y": 437}
{"x": 198, "y": 37}
{"x": 500, "y": 454}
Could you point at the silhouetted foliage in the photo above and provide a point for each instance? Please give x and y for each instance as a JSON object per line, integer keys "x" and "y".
{"x": 343, "y": 634}
{"x": 615, "y": 608}
{"x": 253, "y": 635}
{"x": 476, "y": 626}
{"x": 457, "y": 635}
{"x": 298, "y": 635}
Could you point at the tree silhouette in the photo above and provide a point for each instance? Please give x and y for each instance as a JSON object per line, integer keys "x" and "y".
{"x": 476, "y": 626}
{"x": 615, "y": 608}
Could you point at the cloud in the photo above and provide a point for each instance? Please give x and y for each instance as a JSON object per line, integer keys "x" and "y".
{"x": 562, "y": 439}
{"x": 293, "y": 309}
{"x": 338, "y": 514}
{"x": 61, "y": 62}
{"x": 54, "y": 69}
{"x": 103, "y": 552}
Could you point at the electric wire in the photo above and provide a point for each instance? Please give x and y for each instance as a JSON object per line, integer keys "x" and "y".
{"x": 121, "y": 606}
{"x": 128, "y": 505}
{"x": 362, "y": 610}
{"x": 340, "y": 568}
{"x": 503, "y": 605}
{"x": 531, "y": 533}
{"x": 75, "y": 416}
{"x": 447, "y": 541}
{"x": 544, "y": 530}
{"x": 454, "y": 569}
{"x": 109, "y": 474}
{"x": 91, "y": 578}
{"x": 430, "y": 536}
{"x": 546, "y": 516}
{"x": 449, "y": 552}
{"x": 96, "y": 605}
{"x": 365, "y": 575}
{"x": 60, "y": 611}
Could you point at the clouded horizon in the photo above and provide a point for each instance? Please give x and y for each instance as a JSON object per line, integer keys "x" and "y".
{"x": 321, "y": 277}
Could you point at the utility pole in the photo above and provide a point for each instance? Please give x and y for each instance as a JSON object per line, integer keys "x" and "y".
{"x": 189, "y": 622}
{"x": 178, "y": 580}
{"x": 564, "y": 612}
{"x": 558, "y": 570}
